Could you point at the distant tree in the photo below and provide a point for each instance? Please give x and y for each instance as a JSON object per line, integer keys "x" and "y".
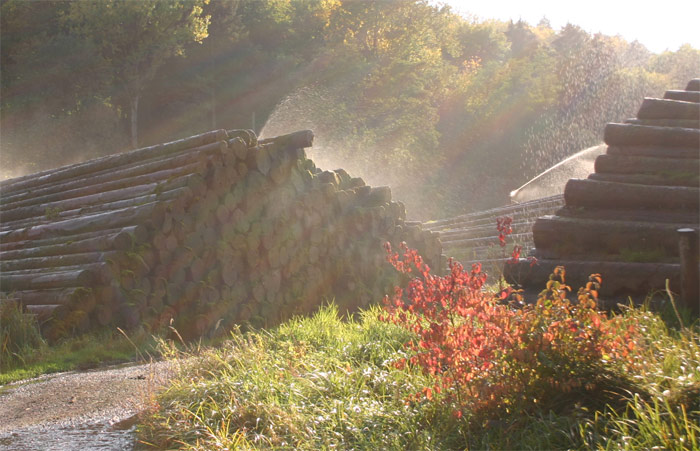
{"x": 134, "y": 38}
{"x": 680, "y": 66}
{"x": 523, "y": 41}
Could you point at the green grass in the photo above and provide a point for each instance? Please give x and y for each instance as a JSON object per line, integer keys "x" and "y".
{"x": 24, "y": 354}
{"x": 81, "y": 353}
{"x": 326, "y": 383}
{"x": 314, "y": 383}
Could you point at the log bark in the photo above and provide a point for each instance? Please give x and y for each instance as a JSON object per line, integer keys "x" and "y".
{"x": 668, "y": 167}
{"x": 70, "y": 297}
{"x": 258, "y": 158}
{"x": 690, "y": 272}
{"x": 668, "y": 109}
{"x": 68, "y": 279}
{"x": 300, "y": 139}
{"x": 119, "y": 258}
{"x": 682, "y": 123}
{"x": 655, "y": 151}
{"x": 110, "y": 162}
{"x": 45, "y": 313}
{"x": 103, "y": 272}
{"x": 557, "y": 237}
{"x": 119, "y": 241}
{"x": 692, "y": 180}
{"x": 151, "y": 214}
{"x": 635, "y": 214}
{"x": 596, "y": 194}
{"x": 248, "y": 136}
{"x": 684, "y": 96}
{"x": 28, "y": 216}
{"x": 620, "y": 279}
{"x": 641, "y": 135}
{"x": 238, "y": 147}
{"x": 130, "y": 235}
{"x": 79, "y": 189}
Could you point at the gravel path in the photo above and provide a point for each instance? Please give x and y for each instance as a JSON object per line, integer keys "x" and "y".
{"x": 78, "y": 410}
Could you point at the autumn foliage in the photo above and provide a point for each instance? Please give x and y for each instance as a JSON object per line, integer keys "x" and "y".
{"x": 488, "y": 355}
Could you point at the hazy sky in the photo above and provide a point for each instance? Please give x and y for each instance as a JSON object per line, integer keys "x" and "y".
{"x": 659, "y": 25}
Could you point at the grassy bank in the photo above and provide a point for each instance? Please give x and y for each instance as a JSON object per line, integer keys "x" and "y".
{"x": 325, "y": 383}
{"x": 25, "y": 354}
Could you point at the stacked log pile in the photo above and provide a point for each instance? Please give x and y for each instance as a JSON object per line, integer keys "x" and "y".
{"x": 217, "y": 226}
{"x": 473, "y": 237}
{"x": 622, "y": 220}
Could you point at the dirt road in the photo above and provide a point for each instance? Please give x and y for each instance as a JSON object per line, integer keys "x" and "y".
{"x": 78, "y": 410}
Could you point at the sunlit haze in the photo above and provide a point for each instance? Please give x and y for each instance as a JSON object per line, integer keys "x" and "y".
{"x": 658, "y": 26}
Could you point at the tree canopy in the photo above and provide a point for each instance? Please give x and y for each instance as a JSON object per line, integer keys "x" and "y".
{"x": 452, "y": 113}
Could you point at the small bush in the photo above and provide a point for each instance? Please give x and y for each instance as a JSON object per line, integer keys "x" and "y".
{"x": 492, "y": 359}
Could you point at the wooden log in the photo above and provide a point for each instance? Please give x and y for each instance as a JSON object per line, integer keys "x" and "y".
{"x": 668, "y": 109}
{"x": 128, "y": 316}
{"x": 299, "y": 139}
{"x": 557, "y": 237}
{"x": 110, "y": 162}
{"x": 129, "y": 236}
{"x": 621, "y": 213}
{"x": 79, "y": 189}
{"x": 248, "y": 136}
{"x": 685, "y": 96}
{"x": 238, "y": 147}
{"x": 45, "y": 313}
{"x": 258, "y": 158}
{"x": 693, "y": 85}
{"x": 119, "y": 258}
{"x": 654, "y": 151}
{"x": 669, "y": 167}
{"x": 70, "y": 297}
{"x": 620, "y": 279}
{"x": 380, "y": 195}
{"x": 67, "y": 279}
{"x": 692, "y": 180}
{"x": 481, "y": 231}
{"x": 690, "y": 277}
{"x": 597, "y": 194}
{"x": 641, "y": 135}
{"x": 191, "y": 159}
{"x": 29, "y": 216}
{"x": 120, "y": 241}
{"x": 149, "y": 214}
{"x": 682, "y": 123}
{"x": 104, "y": 314}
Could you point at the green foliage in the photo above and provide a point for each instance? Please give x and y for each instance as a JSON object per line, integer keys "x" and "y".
{"x": 133, "y": 39}
{"x": 400, "y": 92}
{"x": 19, "y": 335}
{"x": 322, "y": 382}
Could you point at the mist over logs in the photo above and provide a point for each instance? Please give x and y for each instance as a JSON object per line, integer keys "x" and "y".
{"x": 622, "y": 221}
{"x": 207, "y": 231}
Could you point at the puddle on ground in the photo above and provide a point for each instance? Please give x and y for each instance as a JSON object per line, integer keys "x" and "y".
{"x": 96, "y": 436}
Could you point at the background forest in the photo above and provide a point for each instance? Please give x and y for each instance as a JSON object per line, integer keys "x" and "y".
{"x": 452, "y": 113}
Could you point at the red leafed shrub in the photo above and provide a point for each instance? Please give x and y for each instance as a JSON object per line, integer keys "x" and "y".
{"x": 488, "y": 356}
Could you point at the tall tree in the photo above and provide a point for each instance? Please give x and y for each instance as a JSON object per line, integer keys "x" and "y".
{"x": 134, "y": 38}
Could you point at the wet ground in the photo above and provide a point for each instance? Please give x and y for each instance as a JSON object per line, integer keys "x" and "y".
{"x": 87, "y": 410}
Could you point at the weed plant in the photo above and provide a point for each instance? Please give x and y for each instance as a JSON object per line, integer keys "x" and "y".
{"x": 19, "y": 335}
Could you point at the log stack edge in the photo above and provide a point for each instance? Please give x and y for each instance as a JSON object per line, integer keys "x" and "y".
{"x": 622, "y": 220}
{"x": 214, "y": 229}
